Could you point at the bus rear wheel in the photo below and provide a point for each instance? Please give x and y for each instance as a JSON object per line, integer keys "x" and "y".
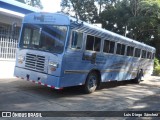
{"x": 139, "y": 77}
{"x": 91, "y": 83}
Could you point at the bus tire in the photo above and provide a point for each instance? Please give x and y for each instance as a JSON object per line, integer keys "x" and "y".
{"x": 139, "y": 77}
{"x": 91, "y": 82}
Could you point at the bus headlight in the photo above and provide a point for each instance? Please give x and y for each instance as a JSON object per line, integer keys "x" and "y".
{"x": 53, "y": 65}
{"x": 20, "y": 59}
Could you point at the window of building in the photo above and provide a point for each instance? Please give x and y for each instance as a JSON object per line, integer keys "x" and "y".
{"x": 120, "y": 49}
{"x": 108, "y": 46}
{"x": 77, "y": 39}
{"x": 130, "y": 51}
{"x": 93, "y": 43}
{"x": 137, "y": 52}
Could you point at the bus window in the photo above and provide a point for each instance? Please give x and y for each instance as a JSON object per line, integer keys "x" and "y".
{"x": 108, "y": 46}
{"x": 90, "y": 42}
{"x": 112, "y": 44}
{"x": 36, "y": 37}
{"x": 93, "y": 43}
{"x": 97, "y": 44}
{"x": 143, "y": 54}
{"x": 77, "y": 38}
{"x": 27, "y": 37}
{"x": 137, "y": 52}
{"x": 123, "y": 49}
{"x": 120, "y": 49}
{"x": 149, "y": 55}
{"x": 130, "y": 51}
{"x": 153, "y": 55}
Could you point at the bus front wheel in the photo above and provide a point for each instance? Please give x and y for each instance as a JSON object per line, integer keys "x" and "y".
{"x": 91, "y": 83}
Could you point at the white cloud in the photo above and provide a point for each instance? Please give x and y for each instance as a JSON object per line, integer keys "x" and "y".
{"x": 51, "y": 5}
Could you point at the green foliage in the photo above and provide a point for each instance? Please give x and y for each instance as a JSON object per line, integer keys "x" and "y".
{"x": 22, "y": 1}
{"x": 156, "y": 62}
{"x": 136, "y": 19}
{"x": 84, "y": 10}
{"x": 156, "y": 70}
{"x": 34, "y": 3}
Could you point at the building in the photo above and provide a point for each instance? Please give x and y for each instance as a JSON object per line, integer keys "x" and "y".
{"x": 11, "y": 15}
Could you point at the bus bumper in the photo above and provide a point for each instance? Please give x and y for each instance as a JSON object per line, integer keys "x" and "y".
{"x": 36, "y": 77}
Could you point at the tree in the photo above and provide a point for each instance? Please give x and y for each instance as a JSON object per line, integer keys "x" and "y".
{"x": 84, "y": 10}
{"x": 137, "y": 19}
{"x": 115, "y": 17}
{"x": 22, "y": 1}
{"x": 34, "y": 3}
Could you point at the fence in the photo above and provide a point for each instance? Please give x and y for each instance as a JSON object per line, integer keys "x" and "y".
{"x": 8, "y": 41}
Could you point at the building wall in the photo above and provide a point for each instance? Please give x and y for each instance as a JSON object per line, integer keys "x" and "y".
{"x": 9, "y": 20}
{"x": 9, "y": 34}
{"x": 11, "y": 15}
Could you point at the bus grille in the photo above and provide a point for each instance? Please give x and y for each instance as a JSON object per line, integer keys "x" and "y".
{"x": 35, "y": 62}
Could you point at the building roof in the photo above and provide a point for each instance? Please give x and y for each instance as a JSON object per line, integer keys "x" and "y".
{"x": 16, "y": 8}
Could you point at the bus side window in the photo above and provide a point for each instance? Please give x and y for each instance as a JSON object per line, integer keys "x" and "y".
{"x": 137, "y": 52}
{"x": 97, "y": 44}
{"x": 112, "y": 45}
{"x": 90, "y": 42}
{"x": 108, "y": 46}
{"x": 148, "y": 55}
{"x": 143, "y": 54}
{"x": 153, "y": 55}
{"x": 77, "y": 39}
{"x": 93, "y": 43}
{"x": 130, "y": 51}
{"x": 120, "y": 49}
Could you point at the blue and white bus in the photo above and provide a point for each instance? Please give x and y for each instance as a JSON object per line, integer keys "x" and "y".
{"x": 59, "y": 51}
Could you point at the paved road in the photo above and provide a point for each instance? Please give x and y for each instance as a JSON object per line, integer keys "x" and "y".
{"x": 21, "y": 95}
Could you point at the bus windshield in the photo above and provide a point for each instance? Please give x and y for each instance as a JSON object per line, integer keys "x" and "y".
{"x": 50, "y": 38}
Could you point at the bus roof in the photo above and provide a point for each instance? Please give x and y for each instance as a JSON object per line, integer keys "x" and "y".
{"x": 63, "y": 19}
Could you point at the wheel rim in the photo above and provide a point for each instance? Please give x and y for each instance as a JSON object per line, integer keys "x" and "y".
{"x": 92, "y": 83}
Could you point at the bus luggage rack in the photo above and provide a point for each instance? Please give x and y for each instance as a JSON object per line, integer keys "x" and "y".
{"x": 35, "y": 62}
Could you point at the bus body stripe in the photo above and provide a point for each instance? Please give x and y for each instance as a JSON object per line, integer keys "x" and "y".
{"x": 104, "y": 71}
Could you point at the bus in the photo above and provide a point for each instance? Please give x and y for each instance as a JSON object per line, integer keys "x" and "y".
{"x": 58, "y": 51}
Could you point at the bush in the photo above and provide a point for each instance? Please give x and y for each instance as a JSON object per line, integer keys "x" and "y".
{"x": 156, "y": 70}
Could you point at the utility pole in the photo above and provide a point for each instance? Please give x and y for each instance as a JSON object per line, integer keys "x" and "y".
{"x": 125, "y": 34}
{"x": 100, "y": 6}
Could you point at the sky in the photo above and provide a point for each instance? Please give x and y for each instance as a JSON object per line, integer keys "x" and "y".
{"x": 51, "y": 5}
